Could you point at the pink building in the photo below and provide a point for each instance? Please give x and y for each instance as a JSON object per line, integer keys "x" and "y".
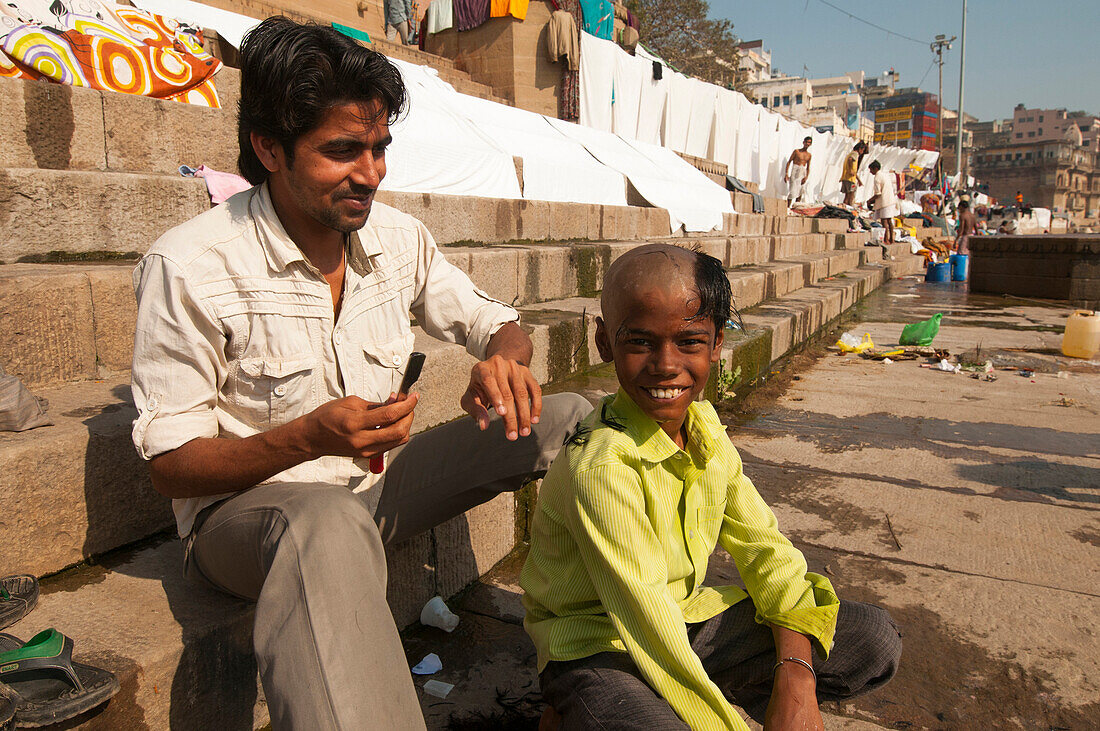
{"x": 1050, "y": 125}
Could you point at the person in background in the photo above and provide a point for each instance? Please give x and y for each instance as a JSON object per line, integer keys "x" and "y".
{"x": 967, "y": 227}
{"x": 849, "y": 177}
{"x": 884, "y": 199}
{"x": 797, "y": 171}
{"x": 399, "y": 16}
{"x": 1019, "y": 199}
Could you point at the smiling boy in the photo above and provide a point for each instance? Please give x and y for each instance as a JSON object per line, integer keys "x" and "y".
{"x": 627, "y": 517}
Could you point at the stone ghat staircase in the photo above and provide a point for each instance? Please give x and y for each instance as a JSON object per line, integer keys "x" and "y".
{"x": 90, "y": 173}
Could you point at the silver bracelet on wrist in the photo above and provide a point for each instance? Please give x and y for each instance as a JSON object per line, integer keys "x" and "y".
{"x": 798, "y": 660}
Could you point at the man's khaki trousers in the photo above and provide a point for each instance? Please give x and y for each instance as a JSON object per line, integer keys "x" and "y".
{"x": 312, "y": 557}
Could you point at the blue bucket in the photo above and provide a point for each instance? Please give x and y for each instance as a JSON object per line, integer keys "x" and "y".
{"x": 960, "y": 267}
{"x": 938, "y": 273}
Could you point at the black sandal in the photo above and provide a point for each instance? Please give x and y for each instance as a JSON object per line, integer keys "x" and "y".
{"x": 48, "y": 686}
{"x": 18, "y": 595}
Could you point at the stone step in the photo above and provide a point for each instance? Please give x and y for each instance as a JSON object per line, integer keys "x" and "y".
{"x": 794, "y": 317}
{"x": 183, "y": 652}
{"x": 84, "y": 211}
{"x": 77, "y": 489}
{"x": 75, "y": 321}
{"x": 65, "y": 210}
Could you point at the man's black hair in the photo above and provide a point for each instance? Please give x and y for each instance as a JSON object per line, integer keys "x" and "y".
{"x": 292, "y": 73}
{"x": 808, "y": 139}
{"x": 875, "y": 164}
{"x": 715, "y": 296}
{"x": 963, "y": 205}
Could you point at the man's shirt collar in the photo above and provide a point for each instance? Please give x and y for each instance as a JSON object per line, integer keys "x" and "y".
{"x": 281, "y": 251}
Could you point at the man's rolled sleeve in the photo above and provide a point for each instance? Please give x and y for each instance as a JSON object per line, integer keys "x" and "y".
{"x": 448, "y": 305}
{"x": 178, "y": 363}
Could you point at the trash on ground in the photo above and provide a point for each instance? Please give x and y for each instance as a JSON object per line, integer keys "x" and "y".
{"x": 921, "y": 333}
{"x": 989, "y": 377}
{"x": 19, "y": 408}
{"x": 944, "y": 366}
{"x": 438, "y": 688}
{"x": 1067, "y": 402}
{"x": 887, "y": 361}
{"x": 848, "y": 343}
{"x": 429, "y": 665}
{"x": 1025, "y": 373}
{"x": 896, "y": 353}
{"x": 436, "y": 614}
{"x": 986, "y": 367}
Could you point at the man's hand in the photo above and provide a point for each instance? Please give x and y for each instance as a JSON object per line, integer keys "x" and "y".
{"x": 507, "y": 387}
{"x": 793, "y": 705}
{"x": 352, "y": 427}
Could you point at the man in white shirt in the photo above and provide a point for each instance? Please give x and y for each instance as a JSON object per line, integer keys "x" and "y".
{"x": 884, "y": 199}
{"x": 272, "y": 333}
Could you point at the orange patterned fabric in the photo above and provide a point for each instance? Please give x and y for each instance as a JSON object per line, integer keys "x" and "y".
{"x": 92, "y": 44}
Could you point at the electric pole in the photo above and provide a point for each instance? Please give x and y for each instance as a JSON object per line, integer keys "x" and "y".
{"x": 962, "y": 79}
{"x": 938, "y": 46}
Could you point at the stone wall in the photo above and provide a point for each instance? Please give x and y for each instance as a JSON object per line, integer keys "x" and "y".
{"x": 1049, "y": 267}
{"x": 510, "y": 56}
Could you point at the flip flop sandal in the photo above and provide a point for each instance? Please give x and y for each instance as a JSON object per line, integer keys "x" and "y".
{"x": 48, "y": 686}
{"x": 7, "y": 708}
{"x": 18, "y": 595}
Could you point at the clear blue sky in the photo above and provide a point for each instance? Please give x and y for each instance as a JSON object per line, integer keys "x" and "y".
{"x": 1043, "y": 54}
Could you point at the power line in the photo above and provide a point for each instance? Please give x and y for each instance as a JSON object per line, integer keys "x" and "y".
{"x": 926, "y": 73}
{"x": 873, "y": 25}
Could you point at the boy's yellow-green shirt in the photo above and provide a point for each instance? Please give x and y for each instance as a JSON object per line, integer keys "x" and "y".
{"x": 625, "y": 524}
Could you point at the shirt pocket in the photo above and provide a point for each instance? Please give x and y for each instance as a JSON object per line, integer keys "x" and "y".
{"x": 709, "y": 523}
{"x": 384, "y": 365}
{"x": 273, "y": 391}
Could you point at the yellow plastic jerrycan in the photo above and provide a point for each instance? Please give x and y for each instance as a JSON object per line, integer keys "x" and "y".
{"x": 1082, "y": 336}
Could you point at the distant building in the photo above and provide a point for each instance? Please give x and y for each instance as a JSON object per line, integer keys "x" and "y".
{"x": 878, "y": 87}
{"x": 789, "y": 95}
{"x": 1058, "y": 174}
{"x": 755, "y": 61}
{"x": 908, "y": 118}
{"x": 1045, "y": 125}
{"x": 841, "y": 94}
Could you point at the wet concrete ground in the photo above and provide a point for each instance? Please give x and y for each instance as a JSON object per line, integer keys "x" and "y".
{"x": 968, "y": 508}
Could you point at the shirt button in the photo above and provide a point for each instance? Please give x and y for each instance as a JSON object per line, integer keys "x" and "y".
{"x": 397, "y": 360}
{"x": 280, "y": 390}
{"x": 337, "y": 337}
{"x": 152, "y": 403}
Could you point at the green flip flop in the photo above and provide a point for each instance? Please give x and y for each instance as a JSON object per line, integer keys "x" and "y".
{"x": 48, "y": 686}
{"x": 18, "y": 595}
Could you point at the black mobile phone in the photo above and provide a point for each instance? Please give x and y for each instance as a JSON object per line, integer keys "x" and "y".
{"x": 412, "y": 372}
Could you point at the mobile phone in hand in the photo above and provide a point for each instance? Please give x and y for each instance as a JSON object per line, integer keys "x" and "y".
{"x": 412, "y": 374}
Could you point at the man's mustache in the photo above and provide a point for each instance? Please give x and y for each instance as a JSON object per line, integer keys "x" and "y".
{"x": 356, "y": 191}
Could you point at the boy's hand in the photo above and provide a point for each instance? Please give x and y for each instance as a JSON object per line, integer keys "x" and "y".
{"x": 793, "y": 705}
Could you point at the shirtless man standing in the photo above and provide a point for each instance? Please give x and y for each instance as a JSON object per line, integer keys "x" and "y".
{"x": 797, "y": 171}
{"x": 968, "y": 226}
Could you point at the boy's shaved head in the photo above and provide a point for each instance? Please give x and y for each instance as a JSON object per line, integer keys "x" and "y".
{"x": 664, "y": 266}
{"x": 696, "y": 277}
